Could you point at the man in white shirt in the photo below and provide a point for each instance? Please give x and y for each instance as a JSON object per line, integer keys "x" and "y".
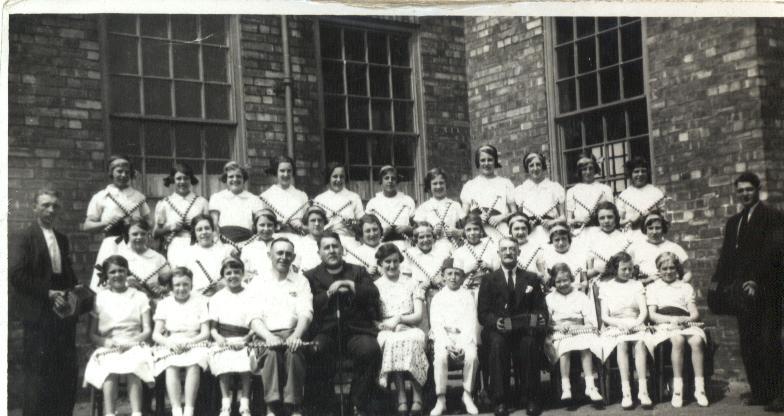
{"x": 283, "y": 314}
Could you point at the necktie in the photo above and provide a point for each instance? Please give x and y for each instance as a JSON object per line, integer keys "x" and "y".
{"x": 510, "y": 282}
{"x": 744, "y": 224}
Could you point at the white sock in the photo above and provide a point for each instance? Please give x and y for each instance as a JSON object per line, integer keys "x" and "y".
{"x": 244, "y": 403}
{"x": 626, "y": 388}
{"x": 589, "y": 381}
{"x": 566, "y": 384}
{"x": 176, "y": 411}
{"x": 699, "y": 384}
{"x": 226, "y": 403}
{"x": 136, "y": 414}
{"x": 187, "y": 411}
{"x": 642, "y": 384}
{"x": 677, "y": 385}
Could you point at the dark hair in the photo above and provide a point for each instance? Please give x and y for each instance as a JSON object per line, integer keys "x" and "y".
{"x": 232, "y": 261}
{"x": 278, "y": 160}
{"x": 366, "y": 219}
{"x": 116, "y": 260}
{"x": 386, "y": 169}
{"x": 135, "y": 222}
{"x": 328, "y": 234}
{"x": 195, "y": 220}
{"x": 560, "y": 267}
{"x": 181, "y": 167}
{"x": 131, "y": 169}
{"x": 750, "y": 177}
{"x": 636, "y": 162}
{"x": 675, "y": 261}
{"x": 594, "y": 220}
{"x": 473, "y": 218}
{"x": 664, "y": 223}
{"x": 595, "y": 164}
{"x": 385, "y": 250}
{"x": 537, "y": 155}
{"x": 526, "y": 221}
{"x": 432, "y": 174}
{"x": 566, "y": 232}
{"x": 490, "y": 150}
{"x": 45, "y": 191}
{"x": 611, "y": 268}
{"x": 230, "y": 166}
{"x": 331, "y": 166}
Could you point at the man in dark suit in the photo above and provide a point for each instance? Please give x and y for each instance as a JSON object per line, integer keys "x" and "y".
{"x": 349, "y": 289}
{"x": 751, "y": 258}
{"x": 512, "y": 311}
{"x": 40, "y": 272}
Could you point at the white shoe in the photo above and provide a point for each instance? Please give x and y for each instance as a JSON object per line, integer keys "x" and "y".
{"x": 677, "y": 400}
{"x": 439, "y": 408}
{"x": 626, "y": 402}
{"x": 470, "y": 407}
{"x": 567, "y": 394}
{"x": 645, "y": 400}
{"x": 701, "y": 398}
{"x": 593, "y": 394}
{"x": 176, "y": 411}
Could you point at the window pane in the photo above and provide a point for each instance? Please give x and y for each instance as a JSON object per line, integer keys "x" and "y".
{"x": 379, "y": 81}
{"x": 625, "y": 20}
{"x": 123, "y": 54}
{"x": 631, "y": 41}
{"x": 215, "y": 64}
{"x": 565, "y": 60}
{"x": 216, "y": 101}
{"x": 406, "y": 176}
{"x": 566, "y": 96}
{"x": 187, "y": 97}
{"x": 158, "y": 166}
{"x": 157, "y": 97}
{"x": 358, "y": 113}
{"x": 405, "y": 151}
{"x": 585, "y": 26}
{"x": 358, "y": 174}
{"x": 333, "y": 76}
{"x": 125, "y": 137}
{"x": 330, "y": 42}
{"x": 588, "y": 92}
{"x": 586, "y": 55}
{"x": 616, "y": 124}
{"x": 215, "y": 168}
{"x": 154, "y": 25}
{"x": 157, "y": 139}
{"x": 608, "y": 48}
{"x": 186, "y": 61}
{"x": 570, "y": 162}
{"x": 357, "y": 151}
{"x": 593, "y": 129}
{"x": 187, "y": 139}
{"x": 611, "y": 85}
{"x": 398, "y": 48}
{"x": 217, "y": 142}
{"x": 122, "y": 23}
{"x": 213, "y": 29}
{"x": 632, "y": 79}
{"x": 570, "y": 132}
{"x": 124, "y": 94}
{"x": 356, "y": 78}
{"x": 334, "y": 112}
{"x": 381, "y": 151}
{"x": 401, "y": 83}
{"x": 564, "y": 31}
{"x": 377, "y": 48}
{"x": 404, "y": 116}
{"x": 333, "y": 148}
{"x": 640, "y": 148}
{"x": 382, "y": 115}
{"x": 638, "y": 119}
{"x": 185, "y": 27}
{"x": 607, "y": 22}
{"x": 155, "y": 57}
{"x": 355, "y": 45}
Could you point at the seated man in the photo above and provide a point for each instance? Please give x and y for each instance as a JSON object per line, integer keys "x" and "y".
{"x": 512, "y": 310}
{"x": 344, "y": 292}
{"x": 285, "y": 309}
{"x": 453, "y": 329}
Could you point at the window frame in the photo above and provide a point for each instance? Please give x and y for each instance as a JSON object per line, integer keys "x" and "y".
{"x": 558, "y": 168}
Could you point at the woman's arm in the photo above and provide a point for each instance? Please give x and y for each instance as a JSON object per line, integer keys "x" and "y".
{"x": 214, "y": 333}
{"x": 694, "y": 313}
{"x": 95, "y": 337}
{"x": 204, "y": 333}
{"x": 643, "y": 306}
{"x": 414, "y": 318}
{"x": 686, "y": 271}
{"x": 146, "y": 328}
{"x": 157, "y": 333}
{"x": 658, "y": 318}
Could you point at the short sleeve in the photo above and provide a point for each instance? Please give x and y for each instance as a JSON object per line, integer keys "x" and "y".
{"x": 160, "y": 213}
{"x": 215, "y": 202}
{"x": 162, "y": 310}
{"x": 142, "y": 303}
{"x": 419, "y": 214}
{"x": 558, "y": 192}
{"x": 213, "y": 307}
{"x": 256, "y": 205}
{"x": 418, "y": 290}
{"x": 689, "y": 293}
{"x": 509, "y": 191}
{"x": 357, "y": 202}
{"x": 95, "y": 208}
{"x": 465, "y": 194}
{"x": 202, "y": 313}
{"x": 254, "y": 308}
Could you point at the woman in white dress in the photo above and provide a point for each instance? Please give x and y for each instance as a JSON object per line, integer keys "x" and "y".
{"x": 174, "y": 213}
{"x": 147, "y": 267}
{"x": 343, "y": 207}
{"x": 255, "y": 254}
{"x": 424, "y": 259}
{"x": 441, "y": 212}
{"x": 234, "y": 208}
{"x": 111, "y": 209}
{"x": 539, "y": 198}
{"x": 479, "y": 255}
{"x": 121, "y": 325}
{"x": 394, "y": 208}
{"x": 602, "y": 241}
{"x": 582, "y": 198}
{"x": 204, "y": 256}
{"x": 306, "y": 247}
{"x": 369, "y": 229}
{"x": 673, "y": 309}
{"x": 287, "y": 202}
{"x": 561, "y": 250}
{"x": 530, "y": 252}
{"x": 489, "y": 195}
{"x": 638, "y": 200}
{"x": 645, "y": 252}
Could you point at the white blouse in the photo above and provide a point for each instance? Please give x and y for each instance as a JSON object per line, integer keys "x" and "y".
{"x": 182, "y": 319}
{"x": 287, "y": 204}
{"x": 486, "y": 250}
{"x": 677, "y": 294}
{"x": 340, "y": 205}
{"x": 530, "y": 254}
{"x": 102, "y": 208}
{"x": 572, "y": 307}
{"x": 425, "y": 266}
{"x": 621, "y": 298}
{"x": 236, "y": 210}
{"x": 175, "y": 209}
{"x": 644, "y": 254}
{"x": 496, "y": 193}
{"x": 454, "y": 309}
{"x": 120, "y": 314}
{"x": 539, "y": 199}
{"x": 634, "y": 202}
{"x": 438, "y": 211}
{"x": 230, "y": 308}
{"x": 209, "y": 260}
{"x": 600, "y": 246}
{"x": 582, "y": 199}
{"x": 396, "y": 210}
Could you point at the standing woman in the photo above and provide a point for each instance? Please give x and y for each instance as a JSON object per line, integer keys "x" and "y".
{"x": 603, "y": 241}
{"x": 393, "y": 208}
{"x": 488, "y": 195}
{"x": 441, "y": 212}
{"x": 146, "y": 266}
{"x": 174, "y": 213}
{"x": 539, "y": 198}
{"x": 204, "y": 256}
{"x": 530, "y": 252}
{"x": 582, "y": 199}
{"x": 369, "y": 233}
{"x": 111, "y": 208}
{"x": 638, "y": 200}
{"x": 479, "y": 255}
{"x": 342, "y": 206}
{"x": 287, "y": 202}
{"x": 233, "y": 208}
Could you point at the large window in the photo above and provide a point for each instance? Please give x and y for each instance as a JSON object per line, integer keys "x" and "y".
{"x": 170, "y": 95}
{"x": 368, "y": 105}
{"x": 600, "y": 94}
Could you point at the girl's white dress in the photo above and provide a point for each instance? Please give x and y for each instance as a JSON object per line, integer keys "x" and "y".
{"x": 582, "y": 199}
{"x": 574, "y": 308}
{"x": 175, "y": 209}
{"x": 530, "y": 254}
{"x": 677, "y": 294}
{"x": 287, "y": 204}
{"x": 492, "y": 194}
{"x": 574, "y": 258}
{"x": 182, "y": 321}
{"x": 205, "y": 263}
{"x": 599, "y": 246}
{"x": 644, "y": 254}
{"x": 397, "y": 210}
{"x": 307, "y": 253}
{"x": 539, "y": 200}
{"x": 621, "y": 301}
{"x": 229, "y": 308}
{"x": 634, "y": 203}
{"x": 339, "y": 206}
{"x": 445, "y": 212}
{"x": 145, "y": 266}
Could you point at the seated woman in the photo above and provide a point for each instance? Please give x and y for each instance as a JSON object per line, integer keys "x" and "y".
{"x": 441, "y": 212}
{"x": 673, "y": 309}
{"x": 229, "y": 329}
{"x": 539, "y": 198}
{"x": 395, "y": 209}
{"x": 401, "y": 342}
{"x": 645, "y": 252}
{"x": 121, "y": 325}
{"x": 530, "y": 252}
{"x": 255, "y": 255}
{"x": 637, "y": 200}
{"x": 204, "y": 256}
{"x": 181, "y": 331}
{"x": 453, "y": 327}
{"x": 583, "y": 198}
{"x": 479, "y": 254}
{"x": 234, "y": 208}
{"x": 602, "y": 239}
{"x": 624, "y": 311}
{"x": 573, "y": 321}
{"x": 369, "y": 235}
{"x": 343, "y": 207}
{"x": 315, "y": 219}
{"x": 146, "y": 266}
{"x": 561, "y": 250}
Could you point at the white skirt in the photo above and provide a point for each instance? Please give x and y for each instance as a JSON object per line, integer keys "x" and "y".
{"x": 164, "y": 358}
{"x": 223, "y": 360}
{"x": 611, "y": 337}
{"x": 136, "y": 360}
{"x": 554, "y": 349}
{"x": 664, "y": 332}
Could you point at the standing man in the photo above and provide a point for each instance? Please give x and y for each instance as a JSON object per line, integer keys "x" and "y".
{"x": 40, "y": 272}
{"x": 750, "y": 260}
{"x": 512, "y": 310}
{"x": 285, "y": 310}
{"x": 344, "y": 290}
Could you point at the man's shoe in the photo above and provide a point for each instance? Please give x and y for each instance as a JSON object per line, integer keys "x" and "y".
{"x": 501, "y": 410}
{"x": 533, "y": 408}
{"x": 777, "y": 405}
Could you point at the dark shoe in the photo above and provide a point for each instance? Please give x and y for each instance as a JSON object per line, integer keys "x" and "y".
{"x": 533, "y": 408}
{"x": 777, "y": 405}
{"x": 751, "y": 401}
{"x": 501, "y": 410}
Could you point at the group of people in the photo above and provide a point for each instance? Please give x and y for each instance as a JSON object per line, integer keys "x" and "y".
{"x": 284, "y": 286}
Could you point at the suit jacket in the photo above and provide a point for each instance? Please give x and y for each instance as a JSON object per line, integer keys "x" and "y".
{"x": 30, "y": 271}
{"x": 358, "y": 312}
{"x": 495, "y": 300}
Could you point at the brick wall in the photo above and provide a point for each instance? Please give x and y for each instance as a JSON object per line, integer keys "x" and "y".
{"x": 770, "y": 44}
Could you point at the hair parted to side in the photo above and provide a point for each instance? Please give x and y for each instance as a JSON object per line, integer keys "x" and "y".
{"x": 490, "y": 150}
{"x": 180, "y": 167}
{"x": 558, "y": 268}
{"x": 655, "y": 215}
{"x": 328, "y": 234}
{"x": 233, "y": 262}
{"x": 636, "y": 162}
{"x": 431, "y": 175}
{"x": 46, "y": 190}
{"x": 668, "y": 255}
{"x": 232, "y": 166}
{"x": 179, "y": 271}
{"x": 195, "y": 220}
{"x": 385, "y": 250}
{"x": 366, "y": 219}
{"x": 534, "y": 155}
{"x": 331, "y": 166}
{"x": 605, "y": 205}
{"x": 611, "y": 268}
{"x": 114, "y": 259}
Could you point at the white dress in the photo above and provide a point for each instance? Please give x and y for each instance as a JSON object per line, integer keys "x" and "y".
{"x": 491, "y": 194}
{"x": 530, "y": 254}
{"x": 445, "y": 212}
{"x": 362, "y": 255}
{"x": 644, "y": 254}
{"x": 677, "y": 294}
{"x": 287, "y": 204}
{"x": 183, "y": 321}
{"x": 453, "y": 319}
{"x": 229, "y": 309}
{"x": 621, "y": 302}
{"x": 486, "y": 250}
{"x": 205, "y": 264}
{"x": 307, "y": 253}
{"x": 599, "y": 246}
{"x": 397, "y": 210}
{"x": 574, "y": 258}
{"x": 582, "y": 199}
{"x": 341, "y": 206}
{"x": 574, "y": 308}
{"x": 539, "y": 201}
{"x": 175, "y": 209}
{"x": 634, "y": 203}
{"x": 120, "y": 318}
{"x": 145, "y": 266}
{"x": 236, "y": 210}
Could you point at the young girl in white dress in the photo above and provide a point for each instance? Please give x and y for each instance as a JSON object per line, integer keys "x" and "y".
{"x": 561, "y": 250}
{"x": 181, "y": 331}
{"x": 582, "y": 198}
{"x": 602, "y": 239}
{"x": 530, "y": 257}
{"x": 255, "y": 254}
{"x": 146, "y": 266}
{"x": 234, "y": 208}
{"x": 638, "y": 200}
{"x": 539, "y": 198}
{"x": 121, "y": 325}
{"x": 393, "y": 208}
{"x": 441, "y": 212}
{"x": 646, "y": 252}
{"x": 478, "y": 255}
{"x": 489, "y": 195}
{"x": 286, "y": 201}
{"x": 228, "y": 322}
{"x": 343, "y": 207}
{"x": 204, "y": 256}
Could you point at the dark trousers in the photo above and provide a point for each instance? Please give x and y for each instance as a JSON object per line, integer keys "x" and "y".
{"x": 49, "y": 366}
{"x": 761, "y": 350}
{"x": 524, "y": 351}
{"x": 365, "y": 353}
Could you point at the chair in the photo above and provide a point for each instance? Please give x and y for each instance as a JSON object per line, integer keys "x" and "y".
{"x": 149, "y": 394}
{"x": 663, "y": 368}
